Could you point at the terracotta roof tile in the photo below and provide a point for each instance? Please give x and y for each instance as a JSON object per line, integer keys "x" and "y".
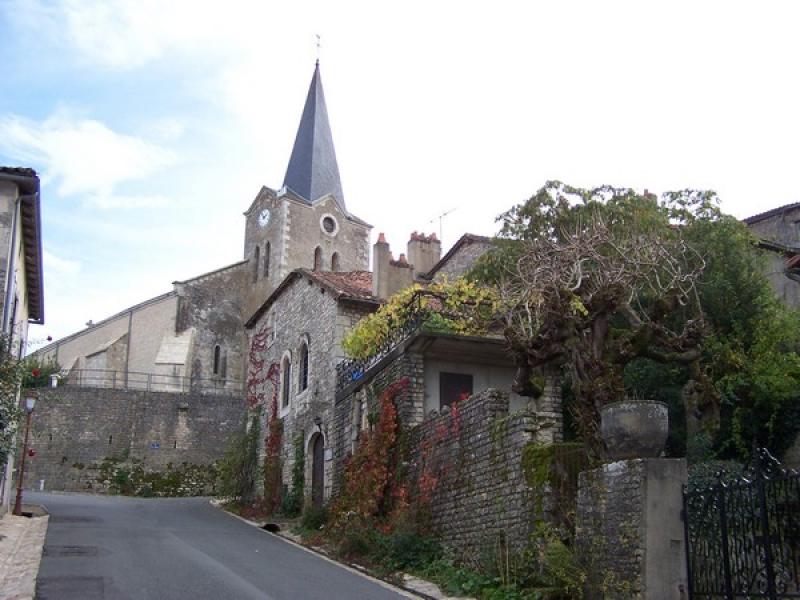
{"x": 348, "y": 284}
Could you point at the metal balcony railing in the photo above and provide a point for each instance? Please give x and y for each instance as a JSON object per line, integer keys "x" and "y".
{"x": 150, "y": 382}
{"x": 425, "y": 313}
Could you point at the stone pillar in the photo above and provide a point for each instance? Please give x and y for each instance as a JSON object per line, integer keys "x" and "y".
{"x": 629, "y": 530}
{"x": 550, "y": 416}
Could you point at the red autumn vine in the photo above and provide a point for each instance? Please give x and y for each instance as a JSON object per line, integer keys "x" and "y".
{"x": 370, "y": 471}
{"x": 257, "y": 363}
{"x": 431, "y": 469}
{"x": 259, "y": 374}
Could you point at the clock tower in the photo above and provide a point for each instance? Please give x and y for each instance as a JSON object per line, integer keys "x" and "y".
{"x": 304, "y": 224}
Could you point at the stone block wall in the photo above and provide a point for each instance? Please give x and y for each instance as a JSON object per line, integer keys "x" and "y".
{"x": 481, "y": 500}
{"x": 629, "y": 531}
{"x": 216, "y": 315}
{"x": 351, "y": 413}
{"x": 464, "y": 258}
{"x": 76, "y": 430}
{"x": 473, "y": 458}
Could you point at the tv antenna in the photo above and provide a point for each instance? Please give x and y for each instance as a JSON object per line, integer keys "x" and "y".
{"x": 440, "y": 218}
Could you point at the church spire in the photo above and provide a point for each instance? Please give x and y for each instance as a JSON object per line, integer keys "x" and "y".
{"x": 312, "y": 170}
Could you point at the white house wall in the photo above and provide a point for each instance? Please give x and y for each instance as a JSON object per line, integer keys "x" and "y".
{"x": 483, "y": 378}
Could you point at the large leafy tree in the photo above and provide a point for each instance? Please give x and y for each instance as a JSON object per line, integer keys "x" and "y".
{"x": 632, "y": 295}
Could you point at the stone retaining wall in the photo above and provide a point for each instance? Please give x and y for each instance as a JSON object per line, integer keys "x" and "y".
{"x": 83, "y": 435}
{"x": 481, "y": 500}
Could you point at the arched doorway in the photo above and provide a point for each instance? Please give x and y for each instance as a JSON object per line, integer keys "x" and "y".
{"x": 318, "y": 470}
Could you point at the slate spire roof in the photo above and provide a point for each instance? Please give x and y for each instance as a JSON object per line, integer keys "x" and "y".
{"x": 312, "y": 170}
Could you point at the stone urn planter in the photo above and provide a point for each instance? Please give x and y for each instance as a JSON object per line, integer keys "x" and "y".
{"x": 634, "y": 428}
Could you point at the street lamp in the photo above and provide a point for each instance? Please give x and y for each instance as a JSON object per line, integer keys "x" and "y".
{"x": 30, "y": 402}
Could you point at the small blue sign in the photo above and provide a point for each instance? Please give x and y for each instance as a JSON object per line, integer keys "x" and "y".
{"x": 155, "y": 445}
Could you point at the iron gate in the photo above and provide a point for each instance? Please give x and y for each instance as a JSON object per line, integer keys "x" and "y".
{"x": 743, "y": 534}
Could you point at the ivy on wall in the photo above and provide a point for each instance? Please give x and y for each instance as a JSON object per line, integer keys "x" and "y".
{"x": 460, "y": 307}
{"x": 260, "y": 373}
{"x": 293, "y": 501}
{"x": 11, "y": 374}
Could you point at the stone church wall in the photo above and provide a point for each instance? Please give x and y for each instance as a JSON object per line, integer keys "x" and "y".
{"x": 147, "y": 321}
{"x": 304, "y": 233}
{"x": 80, "y": 433}
{"x": 294, "y": 230}
{"x": 212, "y": 305}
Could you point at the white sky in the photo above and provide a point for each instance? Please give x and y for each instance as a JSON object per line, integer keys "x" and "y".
{"x": 154, "y": 124}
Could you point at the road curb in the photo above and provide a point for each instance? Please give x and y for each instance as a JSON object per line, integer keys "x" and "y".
{"x": 20, "y": 555}
{"x": 407, "y": 593}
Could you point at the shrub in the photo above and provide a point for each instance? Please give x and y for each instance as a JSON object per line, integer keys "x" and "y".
{"x": 402, "y": 550}
{"x": 237, "y": 469}
{"x": 314, "y": 518}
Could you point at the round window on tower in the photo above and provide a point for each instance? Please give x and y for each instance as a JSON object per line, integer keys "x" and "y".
{"x": 329, "y": 225}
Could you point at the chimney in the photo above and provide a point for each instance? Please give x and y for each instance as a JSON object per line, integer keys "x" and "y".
{"x": 423, "y": 252}
{"x": 388, "y": 275}
{"x": 381, "y": 256}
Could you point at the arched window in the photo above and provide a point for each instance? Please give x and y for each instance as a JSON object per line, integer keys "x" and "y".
{"x": 318, "y": 259}
{"x": 217, "y": 352}
{"x": 286, "y": 378}
{"x": 266, "y": 260}
{"x": 302, "y": 380}
{"x": 256, "y": 257}
{"x": 335, "y": 261}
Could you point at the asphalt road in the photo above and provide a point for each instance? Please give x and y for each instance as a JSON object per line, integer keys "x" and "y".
{"x": 113, "y": 548}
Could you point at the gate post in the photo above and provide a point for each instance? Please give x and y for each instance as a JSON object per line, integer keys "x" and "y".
{"x": 629, "y": 529}
{"x": 762, "y": 506}
{"x": 723, "y": 528}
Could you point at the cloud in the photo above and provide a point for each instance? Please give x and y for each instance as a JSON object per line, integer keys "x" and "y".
{"x": 60, "y": 266}
{"x": 84, "y": 156}
{"x": 106, "y": 202}
{"x": 126, "y": 34}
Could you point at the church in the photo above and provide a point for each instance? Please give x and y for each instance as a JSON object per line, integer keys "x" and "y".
{"x": 194, "y": 335}
{"x": 303, "y": 282}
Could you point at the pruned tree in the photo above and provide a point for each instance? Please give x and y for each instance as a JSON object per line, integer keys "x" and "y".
{"x": 594, "y": 279}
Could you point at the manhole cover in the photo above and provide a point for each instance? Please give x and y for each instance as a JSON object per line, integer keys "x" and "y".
{"x": 72, "y": 519}
{"x": 70, "y": 551}
{"x": 73, "y": 586}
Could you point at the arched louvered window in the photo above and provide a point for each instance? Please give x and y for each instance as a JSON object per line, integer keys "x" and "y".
{"x": 335, "y": 261}
{"x": 286, "y": 378}
{"x": 302, "y": 381}
{"x": 256, "y": 257}
{"x": 217, "y": 353}
{"x": 318, "y": 259}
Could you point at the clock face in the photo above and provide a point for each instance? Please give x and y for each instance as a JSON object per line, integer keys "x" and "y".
{"x": 263, "y": 217}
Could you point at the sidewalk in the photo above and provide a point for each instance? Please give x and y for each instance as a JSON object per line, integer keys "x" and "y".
{"x": 21, "y": 543}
